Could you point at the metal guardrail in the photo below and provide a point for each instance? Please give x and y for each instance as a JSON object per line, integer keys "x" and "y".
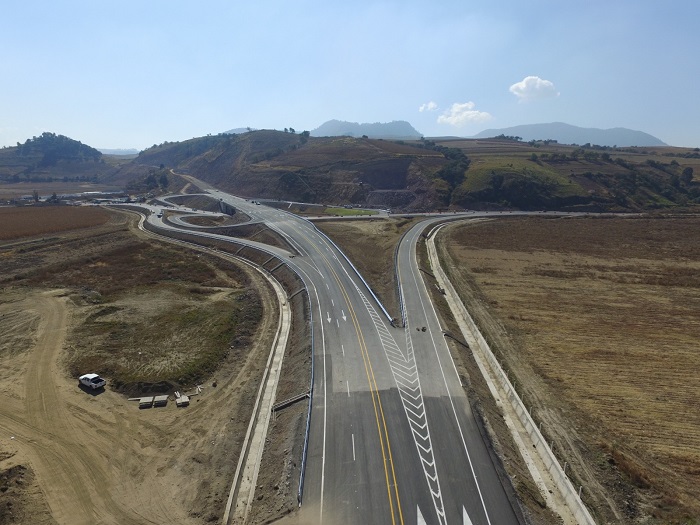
{"x": 290, "y": 401}
{"x": 399, "y": 290}
{"x": 302, "y": 472}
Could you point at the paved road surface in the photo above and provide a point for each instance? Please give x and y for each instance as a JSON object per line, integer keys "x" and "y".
{"x": 392, "y": 438}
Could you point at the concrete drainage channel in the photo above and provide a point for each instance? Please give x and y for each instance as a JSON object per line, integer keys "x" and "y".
{"x": 548, "y": 474}
{"x": 243, "y": 487}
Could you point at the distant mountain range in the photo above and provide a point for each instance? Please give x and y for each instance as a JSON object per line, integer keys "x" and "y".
{"x": 398, "y": 129}
{"x": 119, "y": 151}
{"x": 568, "y": 134}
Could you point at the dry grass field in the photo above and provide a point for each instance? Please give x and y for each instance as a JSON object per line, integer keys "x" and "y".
{"x": 599, "y": 320}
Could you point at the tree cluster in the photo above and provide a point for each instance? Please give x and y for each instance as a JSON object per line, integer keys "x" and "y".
{"x": 53, "y": 148}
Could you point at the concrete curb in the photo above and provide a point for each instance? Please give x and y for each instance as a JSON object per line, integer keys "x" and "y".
{"x": 243, "y": 487}
{"x": 543, "y": 465}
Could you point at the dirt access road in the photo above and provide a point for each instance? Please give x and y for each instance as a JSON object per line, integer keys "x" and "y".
{"x": 55, "y": 427}
{"x": 96, "y": 457}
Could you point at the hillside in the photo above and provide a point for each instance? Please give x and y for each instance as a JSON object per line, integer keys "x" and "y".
{"x": 428, "y": 175}
{"x": 278, "y": 165}
{"x": 399, "y": 129}
{"x": 568, "y": 134}
{"x": 553, "y": 176}
{"x": 51, "y": 157}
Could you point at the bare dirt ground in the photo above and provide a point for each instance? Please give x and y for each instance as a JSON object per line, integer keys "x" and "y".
{"x": 70, "y": 456}
{"x": 599, "y": 321}
{"x": 27, "y": 222}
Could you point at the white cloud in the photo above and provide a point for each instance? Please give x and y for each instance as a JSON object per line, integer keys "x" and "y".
{"x": 463, "y": 113}
{"x": 531, "y": 88}
{"x": 430, "y": 106}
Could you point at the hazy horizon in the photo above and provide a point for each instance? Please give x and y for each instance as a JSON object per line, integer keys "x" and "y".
{"x": 128, "y": 75}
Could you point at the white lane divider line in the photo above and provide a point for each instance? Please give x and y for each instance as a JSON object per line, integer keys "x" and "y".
{"x": 348, "y": 383}
{"x": 353, "y": 447}
{"x": 343, "y": 349}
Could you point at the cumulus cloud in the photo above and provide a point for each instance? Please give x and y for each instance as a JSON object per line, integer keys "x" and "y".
{"x": 430, "y": 106}
{"x": 531, "y": 88}
{"x": 463, "y": 113}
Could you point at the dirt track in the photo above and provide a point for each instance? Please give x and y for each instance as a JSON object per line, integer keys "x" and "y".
{"x": 96, "y": 457}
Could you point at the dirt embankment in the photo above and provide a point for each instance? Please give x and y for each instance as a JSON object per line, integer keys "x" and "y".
{"x": 598, "y": 321}
{"x": 68, "y": 456}
{"x": 95, "y": 456}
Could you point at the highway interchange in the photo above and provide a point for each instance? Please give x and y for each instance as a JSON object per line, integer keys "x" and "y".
{"x": 392, "y": 437}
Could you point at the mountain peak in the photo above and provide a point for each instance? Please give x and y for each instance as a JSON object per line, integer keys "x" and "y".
{"x": 398, "y": 129}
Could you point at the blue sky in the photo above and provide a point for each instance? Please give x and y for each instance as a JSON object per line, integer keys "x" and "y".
{"x": 130, "y": 74}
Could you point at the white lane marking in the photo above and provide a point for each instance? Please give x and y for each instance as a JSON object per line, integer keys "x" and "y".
{"x": 337, "y": 323}
{"x": 332, "y": 302}
{"x": 423, "y": 292}
{"x": 343, "y": 349}
{"x": 420, "y": 519}
{"x": 325, "y": 394}
{"x": 348, "y": 383}
{"x": 353, "y": 447}
{"x": 404, "y": 370}
{"x": 344, "y": 318}
{"x": 325, "y": 405}
{"x": 465, "y": 517}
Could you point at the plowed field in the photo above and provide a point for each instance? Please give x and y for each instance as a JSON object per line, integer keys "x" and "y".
{"x": 17, "y": 223}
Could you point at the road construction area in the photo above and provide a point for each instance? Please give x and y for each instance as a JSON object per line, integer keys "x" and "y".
{"x": 70, "y": 455}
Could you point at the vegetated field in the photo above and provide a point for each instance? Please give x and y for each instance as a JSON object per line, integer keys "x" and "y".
{"x": 28, "y": 221}
{"x": 149, "y": 317}
{"x": 542, "y": 174}
{"x": 599, "y": 320}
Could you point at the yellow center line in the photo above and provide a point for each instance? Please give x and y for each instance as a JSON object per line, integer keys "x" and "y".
{"x": 374, "y": 392}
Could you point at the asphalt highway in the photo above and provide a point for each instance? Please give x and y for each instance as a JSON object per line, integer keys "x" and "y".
{"x": 392, "y": 437}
